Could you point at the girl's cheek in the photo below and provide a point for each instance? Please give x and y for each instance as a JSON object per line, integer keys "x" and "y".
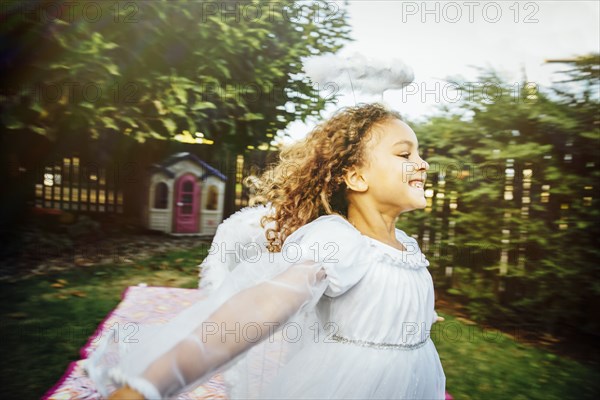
{"x": 406, "y": 167}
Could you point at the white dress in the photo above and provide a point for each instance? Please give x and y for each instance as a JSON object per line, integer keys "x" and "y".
{"x": 361, "y": 332}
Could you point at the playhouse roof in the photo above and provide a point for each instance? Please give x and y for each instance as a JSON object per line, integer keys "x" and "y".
{"x": 177, "y": 157}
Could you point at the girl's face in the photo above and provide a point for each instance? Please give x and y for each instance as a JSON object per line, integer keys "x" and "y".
{"x": 394, "y": 172}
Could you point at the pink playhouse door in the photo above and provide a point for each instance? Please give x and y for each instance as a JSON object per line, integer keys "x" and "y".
{"x": 187, "y": 199}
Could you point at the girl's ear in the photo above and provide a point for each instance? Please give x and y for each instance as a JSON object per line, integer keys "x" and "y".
{"x": 355, "y": 180}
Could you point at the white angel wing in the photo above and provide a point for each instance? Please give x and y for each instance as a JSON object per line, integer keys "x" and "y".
{"x": 237, "y": 238}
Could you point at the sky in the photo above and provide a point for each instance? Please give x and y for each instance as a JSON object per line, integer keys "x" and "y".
{"x": 442, "y": 39}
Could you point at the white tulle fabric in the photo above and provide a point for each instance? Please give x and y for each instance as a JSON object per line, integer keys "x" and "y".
{"x": 273, "y": 322}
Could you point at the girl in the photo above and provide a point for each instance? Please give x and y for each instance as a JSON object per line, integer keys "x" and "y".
{"x": 342, "y": 296}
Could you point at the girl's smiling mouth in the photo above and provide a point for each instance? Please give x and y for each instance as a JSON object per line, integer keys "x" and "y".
{"x": 416, "y": 183}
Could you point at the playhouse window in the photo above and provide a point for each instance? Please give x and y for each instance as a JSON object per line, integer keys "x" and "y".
{"x": 213, "y": 198}
{"x": 161, "y": 195}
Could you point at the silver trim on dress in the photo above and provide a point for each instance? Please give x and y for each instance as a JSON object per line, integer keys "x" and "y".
{"x": 392, "y": 346}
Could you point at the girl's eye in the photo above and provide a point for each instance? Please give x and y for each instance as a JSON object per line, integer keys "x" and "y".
{"x": 405, "y": 155}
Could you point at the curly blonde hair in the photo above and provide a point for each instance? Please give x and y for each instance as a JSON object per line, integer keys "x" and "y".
{"x": 308, "y": 181}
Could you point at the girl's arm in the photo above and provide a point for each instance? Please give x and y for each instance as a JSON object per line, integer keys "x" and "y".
{"x": 223, "y": 335}
{"x": 126, "y": 393}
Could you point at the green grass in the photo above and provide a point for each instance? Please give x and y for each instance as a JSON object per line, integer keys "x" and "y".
{"x": 44, "y": 327}
{"x": 487, "y": 364}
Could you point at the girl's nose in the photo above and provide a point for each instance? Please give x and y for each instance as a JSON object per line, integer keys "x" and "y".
{"x": 423, "y": 165}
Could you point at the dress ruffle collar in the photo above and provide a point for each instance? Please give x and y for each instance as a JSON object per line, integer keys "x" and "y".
{"x": 403, "y": 259}
{"x": 411, "y": 258}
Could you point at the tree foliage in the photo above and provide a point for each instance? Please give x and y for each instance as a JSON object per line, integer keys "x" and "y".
{"x": 514, "y": 208}
{"x": 153, "y": 69}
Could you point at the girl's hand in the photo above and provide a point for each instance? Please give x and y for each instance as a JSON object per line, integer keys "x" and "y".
{"x": 126, "y": 393}
{"x": 440, "y": 319}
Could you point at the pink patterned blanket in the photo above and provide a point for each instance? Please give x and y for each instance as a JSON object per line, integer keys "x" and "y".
{"x": 147, "y": 305}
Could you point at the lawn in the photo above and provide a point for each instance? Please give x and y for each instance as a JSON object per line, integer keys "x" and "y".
{"x": 48, "y": 318}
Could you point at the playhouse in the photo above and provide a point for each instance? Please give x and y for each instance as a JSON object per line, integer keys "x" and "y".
{"x": 185, "y": 196}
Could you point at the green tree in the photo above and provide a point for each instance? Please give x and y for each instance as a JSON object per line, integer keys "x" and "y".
{"x": 156, "y": 68}
{"x": 517, "y": 216}
{"x": 227, "y": 72}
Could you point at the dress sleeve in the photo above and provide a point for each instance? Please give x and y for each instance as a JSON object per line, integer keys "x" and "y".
{"x": 258, "y": 296}
{"x": 342, "y": 250}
